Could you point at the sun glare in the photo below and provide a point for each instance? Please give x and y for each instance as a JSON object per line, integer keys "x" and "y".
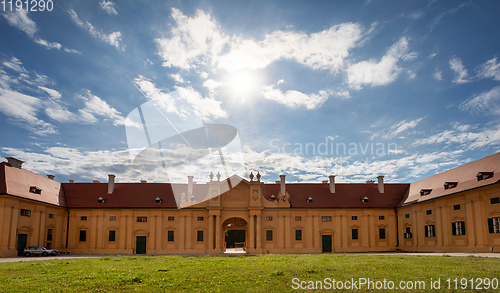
{"x": 242, "y": 82}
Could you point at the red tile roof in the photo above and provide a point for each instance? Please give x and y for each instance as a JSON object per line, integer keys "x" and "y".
{"x": 465, "y": 175}
{"x": 347, "y": 195}
{"x": 128, "y": 195}
{"x": 17, "y": 182}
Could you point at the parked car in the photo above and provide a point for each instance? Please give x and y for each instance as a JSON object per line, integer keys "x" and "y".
{"x": 39, "y": 250}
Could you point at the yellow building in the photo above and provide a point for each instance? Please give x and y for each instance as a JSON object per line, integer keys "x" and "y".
{"x": 457, "y": 210}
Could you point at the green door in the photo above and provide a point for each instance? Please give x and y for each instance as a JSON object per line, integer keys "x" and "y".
{"x": 327, "y": 243}
{"x": 21, "y": 243}
{"x": 140, "y": 245}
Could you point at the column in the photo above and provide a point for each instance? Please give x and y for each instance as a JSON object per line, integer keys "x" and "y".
{"x": 182, "y": 232}
{"x": 439, "y": 228}
{"x": 13, "y": 229}
{"x": 259, "y": 233}
{"x": 479, "y": 223}
{"x": 41, "y": 236}
{"x": 218, "y": 234}
{"x": 445, "y": 226}
{"x": 309, "y": 231}
{"x": 469, "y": 224}
{"x": 189, "y": 232}
{"x": 316, "y": 236}
{"x": 279, "y": 232}
{"x": 287, "y": 232}
{"x": 251, "y": 232}
{"x": 210, "y": 232}
{"x": 373, "y": 230}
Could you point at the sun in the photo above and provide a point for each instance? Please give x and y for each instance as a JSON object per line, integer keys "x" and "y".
{"x": 242, "y": 83}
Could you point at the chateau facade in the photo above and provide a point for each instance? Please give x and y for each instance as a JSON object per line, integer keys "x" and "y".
{"x": 457, "y": 210}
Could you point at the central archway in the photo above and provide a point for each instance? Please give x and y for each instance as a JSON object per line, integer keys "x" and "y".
{"x": 235, "y": 235}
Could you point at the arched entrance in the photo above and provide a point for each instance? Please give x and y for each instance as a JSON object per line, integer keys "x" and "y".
{"x": 235, "y": 235}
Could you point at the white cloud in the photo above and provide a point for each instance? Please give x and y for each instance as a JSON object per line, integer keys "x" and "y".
{"x": 295, "y": 99}
{"x": 382, "y": 72}
{"x": 490, "y": 69}
{"x": 398, "y": 128}
{"x": 23, "y": 108}
{"x": 484, "y": 102}
{"x": 21, "y": 20}
{"x": 109, "y": 7}
{"x": 52, "y": 92}
{"x": 438, "y": 75}
{"x": 182, "y": 102}
{"x": 199, "y": 40}
{"x": 191, "y": 39}
{"x": 113, "y": 39}
{"x": 323, "y": 50}
{"x": 178, "y": 78}
{"x": 460, "y": 72}
{"x": 465, "y": 137}
{"x": 14, "y": 64}
{"x": 96, "y": 107}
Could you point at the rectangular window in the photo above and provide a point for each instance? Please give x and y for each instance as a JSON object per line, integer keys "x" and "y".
{"x": 142, "y": 219}
{"x": 200, "y": 218}
{"x": 298, "y": 218}
{"x": 83, "y": 235}
{"x": 458, "y": 228}
{"x": 326, "y": 218}
{"x": 199, "y": 236}
{"x": 298, "y": 234}
{"x": 354, "y": 218}
{"x": 170, "y": 218}
{"x": 381, "y": 217}
{"x": 456, "y": 207}
{"x": 25, "y": 213}
{"x": 35, "y": 190}
{"x": 428, "y": 212}
{"x": 112, "y": 218}
{"x": 269, "y": 218}
{"x": 381, "y": 233}
{"x": 83, "y": 218}
{"x": 170, "y": 236}
{"x": 51, "y": 216}
{"x": 354, "y": 233}
{"x": 112, "y": 234}
{"x": 494, "y": 225}
{"x": 407, "y": 216}
{"x": 49, "y": 234}
{"x": 269, "y": 235}
{"x": 494, "y": 200}
{"x": 429, "y": 231}
{"x": 408, "y": 233}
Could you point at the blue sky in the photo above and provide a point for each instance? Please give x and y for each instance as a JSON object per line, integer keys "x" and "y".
{"x": 356, "y": 89}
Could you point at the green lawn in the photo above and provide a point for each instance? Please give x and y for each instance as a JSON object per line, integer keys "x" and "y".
{"x": 265, "y": 273}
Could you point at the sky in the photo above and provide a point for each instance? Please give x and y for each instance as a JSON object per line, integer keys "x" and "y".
{"x": 355, "y": 89}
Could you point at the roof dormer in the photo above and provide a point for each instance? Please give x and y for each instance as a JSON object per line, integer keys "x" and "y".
{"x": 425, "y": 192}
{"x": 484, "y": 175}
{"x": 449, "y": 185}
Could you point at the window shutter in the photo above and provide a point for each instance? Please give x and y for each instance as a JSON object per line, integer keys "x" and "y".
{"x": 490, "y": 225}
{"x": 453, "y": 229}
{"x": 463, "y": 227}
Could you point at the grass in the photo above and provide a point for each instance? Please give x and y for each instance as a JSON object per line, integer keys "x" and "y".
{"x": 265, "y": 273}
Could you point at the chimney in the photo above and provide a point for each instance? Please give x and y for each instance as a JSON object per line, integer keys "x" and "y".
{"x": 15, "y": 162}
{"x": 71, "y": 181}
{"x": 332, "y": 184}
{"x": 111, "y": 183}
{"x": 96, "y": 181}
{"x": 282, "y": 185}
{"x": 51, "y": 177}
{"x": 144, "y": 181}
{"x": 190, "y": 184}
{"x": 380, "y": 184}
